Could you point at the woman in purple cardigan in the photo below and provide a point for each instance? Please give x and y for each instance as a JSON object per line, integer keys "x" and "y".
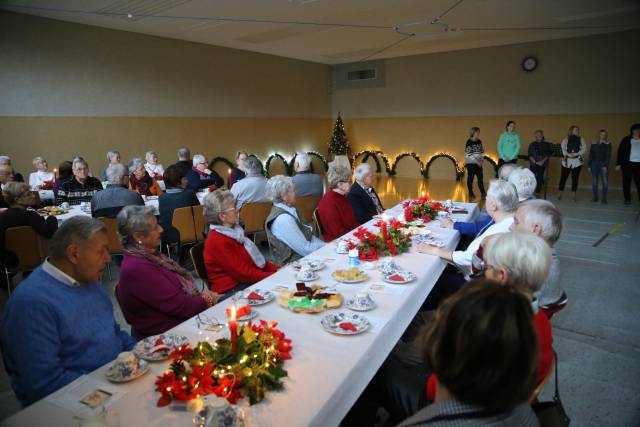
{"x": 155, "y": 293}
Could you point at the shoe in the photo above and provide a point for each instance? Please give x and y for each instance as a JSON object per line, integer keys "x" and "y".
{"x": 604, "y": 199}
{"x": 472, "y": 196}
{"x": 575, "y": 199}
{"x": 595, "y": 198}
{"x": 560, "y": 196}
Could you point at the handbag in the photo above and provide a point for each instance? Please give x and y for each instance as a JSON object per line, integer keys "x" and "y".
{"x": 552, "y": 413}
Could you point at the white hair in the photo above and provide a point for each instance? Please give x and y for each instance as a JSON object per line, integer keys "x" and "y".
{"x": 37, "y": 160}
{"x": 149, "y": 154}
{"x": 115, "y": 172}
{"x": 506, "y": 170}
{"x": 79, "y": 161}
{"x": 132, "y": 219}
{"x": 525, "y": 182}
{"x": 525, "y": 257}
{"x": 252, "y": 165}
{"x": 112, "y": 153}
{"x": 278, "y": 186}
{"x": 504, "y": 194}
{"x": 215, "y": 203}
{"x": 135, "y": 163}
{"x": 5, "y": 160}
{"x": 546, "y": 215}
{"x": 198, "y": 158}
{"x": 304, "y": 161}
{"x": 362, "y": 170}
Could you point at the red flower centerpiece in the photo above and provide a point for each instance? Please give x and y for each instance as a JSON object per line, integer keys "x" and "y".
{"x": 391, "y": 240}
{"x": 254, "y": 369}
{"x": 423, "y": 208}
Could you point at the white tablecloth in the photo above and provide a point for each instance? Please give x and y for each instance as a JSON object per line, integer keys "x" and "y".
{"x": 327, "y": 373}
{"x": 75, "y": 210}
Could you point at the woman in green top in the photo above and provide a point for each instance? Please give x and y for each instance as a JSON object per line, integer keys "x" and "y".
{"x": 508, "y": 144}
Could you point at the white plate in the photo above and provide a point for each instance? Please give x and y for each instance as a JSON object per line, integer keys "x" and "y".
{"x": 267, "y": 295}
{"x": 311, "y": 264}
{"x": 363, "y": 279}
{"x": 331, "y": 323}
{"x": 144, "y": 348}
{"x": 350, "y": 304}
{"x": 406, "y": 275}
{"x": 248, "y": 317}
{"x": 114, "y": 377}
{"x": 311, "y": 279}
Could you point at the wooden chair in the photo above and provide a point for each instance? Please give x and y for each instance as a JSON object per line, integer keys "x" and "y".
{"x": 254, "y": 216}
{"x": 317, "y": 224}
{"x": 199, "y": 223}
{"x": 197, "y": 258}
{"x": 306, "y": 205}
{"x": 115, "y": 244}
{"x": 182, "y": 221}
{"x": 24, "y": 243}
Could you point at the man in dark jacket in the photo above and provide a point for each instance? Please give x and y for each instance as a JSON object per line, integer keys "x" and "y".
{"x": 628, "y": 160}
{"x": 363, "y": 198}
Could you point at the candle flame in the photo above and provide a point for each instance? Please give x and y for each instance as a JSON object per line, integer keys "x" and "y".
{"x": 233, "y": 312}
{"x": 229, "y": 171}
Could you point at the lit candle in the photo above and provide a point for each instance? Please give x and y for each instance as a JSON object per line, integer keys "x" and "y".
{"x": 423, "y": 194}
{"x": 384, "y": 228}
{"x": 233, "y": 329}
{"x": 229, "y": 173}
{"x": 55, "y": 172}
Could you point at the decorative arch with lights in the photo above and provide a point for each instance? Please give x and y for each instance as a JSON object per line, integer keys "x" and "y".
{"x": 403, "y": 155}
{"x": 376, "y": 154}
{"x": 280, "y": 157}
{"x": 493, "y": 163}
{"x": 456, "y": 164}
{"x": 221, "y": 160}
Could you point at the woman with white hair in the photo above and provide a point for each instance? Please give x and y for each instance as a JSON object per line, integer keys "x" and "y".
{"x": 233, "y": 261}
{"x": 153, "y": 168}
{"x": 113, "y": 157}
{"x": 525, "y": 182}
{"x": 334, "y": 210}
{"x": 200, "y": 176}
{"x": 140, "y": 181}
{"x": 290, "y": 238}
{"x": 41, "y": 179}
{"x": 363, "y": 198}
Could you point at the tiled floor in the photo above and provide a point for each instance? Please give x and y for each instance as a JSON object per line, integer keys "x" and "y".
{"x": 597, "y": 336}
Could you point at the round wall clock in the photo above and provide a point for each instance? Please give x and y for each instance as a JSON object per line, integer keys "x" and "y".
{"x": 529, "y": 63}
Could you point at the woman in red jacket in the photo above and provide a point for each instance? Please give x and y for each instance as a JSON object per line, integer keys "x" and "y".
{"x": 233, "y": 261}
{"x": 335, "y": 212}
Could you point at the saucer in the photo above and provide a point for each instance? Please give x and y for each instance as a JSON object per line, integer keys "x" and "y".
{"x": 125, "y": 375}
{"x": 351, "y": 305}
{"x": 309, "y": 279}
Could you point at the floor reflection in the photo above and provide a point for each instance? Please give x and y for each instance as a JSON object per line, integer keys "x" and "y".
{"x": 394, "y": 189}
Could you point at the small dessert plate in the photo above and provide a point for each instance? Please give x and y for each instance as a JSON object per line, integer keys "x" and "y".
{"x": 345, "y": 323}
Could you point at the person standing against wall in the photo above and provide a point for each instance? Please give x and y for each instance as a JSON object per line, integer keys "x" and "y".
{"x": 628, "y": 160}
{"x": 473, "y": 157}
{"x": 599, "y": 156}
{"x": 508, "y": 144}
{"x": 573, "y": 148}
{"x": 539, "y": 158}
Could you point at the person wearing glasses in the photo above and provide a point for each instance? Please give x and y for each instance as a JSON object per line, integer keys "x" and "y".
{"x": 334, "y": 210}
{"x": 200, "y": 176}
{"x": 233, "y": 262}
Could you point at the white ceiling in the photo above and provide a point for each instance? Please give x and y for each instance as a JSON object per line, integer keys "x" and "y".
{"x": 343, "y": 31}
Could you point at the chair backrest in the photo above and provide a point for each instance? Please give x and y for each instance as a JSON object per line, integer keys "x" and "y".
{"x": 23, "y": 242}
{"x": 306, "y": 205}
{"x": 115, "y": 244}
{"x": 183, "y": 222}
{"x": 197, "y": 259}
{"x": 254, "y": 215}
{"x": 199, "y": 222}
{"x": 316, "y": 222}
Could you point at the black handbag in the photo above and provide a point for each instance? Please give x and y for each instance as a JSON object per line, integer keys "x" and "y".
{"x": 552, "y": 413}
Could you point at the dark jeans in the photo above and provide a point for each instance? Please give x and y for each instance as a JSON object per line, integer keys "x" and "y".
{"x": 538, "y": 171}
{"x": 502, "y": 162}
{"x": 597, "y": 173}
{"x": 575, "y": 175}
{"x": 475, "y": 170}
{"x": 630, "y": 170}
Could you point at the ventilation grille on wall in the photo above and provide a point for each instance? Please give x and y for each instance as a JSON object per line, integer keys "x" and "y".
{"x": 137, "y": 9}
{"x": 360, "y": 75}
{"x": 368, "y": 74}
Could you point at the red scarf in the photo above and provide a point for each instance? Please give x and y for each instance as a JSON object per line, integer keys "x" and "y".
{"x": 143, "y": 185}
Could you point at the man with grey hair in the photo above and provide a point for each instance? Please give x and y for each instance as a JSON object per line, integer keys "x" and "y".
{"x": 307, "y": 183}
{"x": 59, "y": 325}
{"x": 525, "y": 183}
{"x": 111, "y": 200}
{"x": 6, "y": 160}
{"x": 543, "y": 218}
{"x": 252, "y": 188}
{"x": 363, "y": 198}
{"x": 184, "y": 160}
{"x": 81, "y": 187}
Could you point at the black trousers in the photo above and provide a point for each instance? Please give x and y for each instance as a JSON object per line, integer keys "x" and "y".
{"x": 538, "y": 171}
{"x": 475, "y": 170}
{"x": 629, "y": 171}
{"x": 575, "y": 175}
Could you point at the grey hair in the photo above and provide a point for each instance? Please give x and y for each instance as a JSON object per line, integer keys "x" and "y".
{"x": 198, "y": 158}
{"x": 132, "y": 219}
{"x": 252, "y": 165}
{"x": 112, "y": 153}
{"x": 77, "y": 229}
{"x": 361, "y": 171}
{"x": 506, "y": 170}
{"x": 5, "y": 159}
{"x": 525, "y": 182}
{"x": 149, "y": 154}
{"x": 115, "y": 172}
{"x": 37, "y": 160}
{"x": 278, "y": 186}
{"x": 79, "y": 161}
{"x": 135, "y": 163}
{"x": 215, "y": 203}
{"x": 546, "y": 215}
{"x": 13, "y": 190}
{"x": 303, "y": 160}
{"x": 338, "y": 174}
{"x": 525, "y": 257}
{"x": 504, "y": 194}
{"x": 184, "y": 153}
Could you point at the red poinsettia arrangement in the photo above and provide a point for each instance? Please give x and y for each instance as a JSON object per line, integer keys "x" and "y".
{"x": 254, "y": 369}
{"x": 391, "y": 240}
{"x": 423, "y": 208}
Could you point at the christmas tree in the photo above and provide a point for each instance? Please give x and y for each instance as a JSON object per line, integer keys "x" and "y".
{"x": 339, "y": 145}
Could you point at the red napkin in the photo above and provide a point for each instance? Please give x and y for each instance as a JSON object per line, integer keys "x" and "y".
{"x": 396, "y": 278}
{"x": 159, "y": 341}
{"x": 255, "y": 296}
{"x": 241, "y": 311}
{"x": 348, "y": 326}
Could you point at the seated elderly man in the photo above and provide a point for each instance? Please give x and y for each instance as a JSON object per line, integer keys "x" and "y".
{"x": 111, "y": 200}
{"x": 59, "y": 324}
{"x": 307, "y": 183}
{"x": 184, "y": 160}
{"x": 290, "y": 238}
{"x": 525, "y": 182}
{"x": 6, "y": 161}
{"x": 253, "y": 187}
{"x": 81, "y": 187}
{"x": 542, "y": 218}
{"x": 363, "y": 198}
{"x": 200, "y": 176}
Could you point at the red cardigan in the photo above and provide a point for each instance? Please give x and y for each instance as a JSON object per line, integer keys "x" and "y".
{"x": 229, "y": 264}
{"x": 545, "y": 341}
{"x": 336, "y": 216}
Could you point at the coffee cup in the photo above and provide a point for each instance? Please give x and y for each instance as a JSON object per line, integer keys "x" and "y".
{"x": 442, "y": 215}
{"x": 217, "y": 412}
{"x": 343, "y": 246}
{"x": 65, "y": 205}
{"x": 388, "y": 266}
{"x": 305, "y": 273}
{"x": 363, "y": 300}
{"x": 126, "y": 364}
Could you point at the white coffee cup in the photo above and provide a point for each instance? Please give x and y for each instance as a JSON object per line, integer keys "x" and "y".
{"x": 442, "y": 215}
{"x": 126, "y": 363}
{"x": 305, "y": 273}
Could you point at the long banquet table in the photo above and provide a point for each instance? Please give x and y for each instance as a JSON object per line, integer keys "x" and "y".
{"x": 327, "y": 372}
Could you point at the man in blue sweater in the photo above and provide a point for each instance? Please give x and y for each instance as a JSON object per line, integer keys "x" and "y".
{"x": 59, "y": 325}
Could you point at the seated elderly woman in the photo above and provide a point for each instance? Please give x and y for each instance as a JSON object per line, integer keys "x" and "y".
{"x": 140, "y": 181}
{"x": 233, "y": 261}
{"x": 153, "y": 168}
{"x": 334, "y": 210}
{"x": 525, "y": 183}
{"x": 363, "y": 198}
{"x": 155, "y": 292}
{"x": 176, "y": 196}
{"x": 41, "y": 179}
{"x": 290, "y": 238}
{"x": 200, "y": 176}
